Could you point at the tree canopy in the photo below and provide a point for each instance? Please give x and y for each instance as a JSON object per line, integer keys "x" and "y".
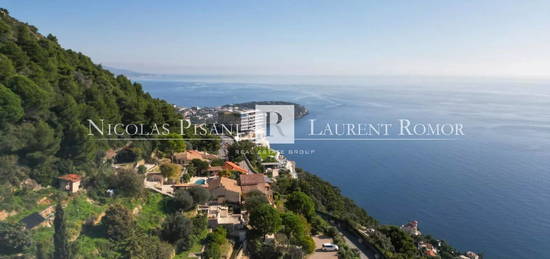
{"x": 200, "y": 195}
{"x": 119, "y": 222}
{"x": 301, "y": 203}
{"x": 265, "y": 219}
{"x": 10, "y": 106}
{"x": 13, "y": 238}
{"x": 60, "y": 238}
{"x": 183, "y": 200}
{"x": 170, "y": 170}
{"x": 52, "y": 92}
{"x": 176, "y": 227}
{"x": 175, "y": 143}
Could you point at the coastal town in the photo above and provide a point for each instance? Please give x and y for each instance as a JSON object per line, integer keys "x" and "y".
{"x": 231, "y": 186}
{"x": 219, "y": 114}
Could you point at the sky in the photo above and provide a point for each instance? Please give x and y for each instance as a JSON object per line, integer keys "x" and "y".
{"x": 433, "y": 38}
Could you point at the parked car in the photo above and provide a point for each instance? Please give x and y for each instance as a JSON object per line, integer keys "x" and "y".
{"x": 330, "y": 247}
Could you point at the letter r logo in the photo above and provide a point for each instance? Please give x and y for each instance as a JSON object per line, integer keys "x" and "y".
{"x": 275, "y": 123}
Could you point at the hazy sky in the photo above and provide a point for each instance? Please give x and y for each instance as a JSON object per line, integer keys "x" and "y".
{"x": 411, "y": 37}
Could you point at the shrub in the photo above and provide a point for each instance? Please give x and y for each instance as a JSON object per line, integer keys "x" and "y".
{"x": 183, "y": 200}
{"x": 13, "y": 238}
{"x": 175, "y": 228}
{"x": 127, "y": 183}
{"x": 119, "y": 222}
{"x": 200, "y": 195}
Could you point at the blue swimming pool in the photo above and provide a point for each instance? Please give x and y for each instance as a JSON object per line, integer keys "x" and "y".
{"x": 200, "y": 181}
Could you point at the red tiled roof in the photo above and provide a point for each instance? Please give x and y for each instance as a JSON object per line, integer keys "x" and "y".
{"x": 224, "y": 182}
{"x": 234, "y": 167}
{"x": 70, "y": 177}
{"x": 193, "y": 154}
{"x": 252, "y": 179}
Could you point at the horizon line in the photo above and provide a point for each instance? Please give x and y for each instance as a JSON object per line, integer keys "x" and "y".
{"x": 401, "y": 75}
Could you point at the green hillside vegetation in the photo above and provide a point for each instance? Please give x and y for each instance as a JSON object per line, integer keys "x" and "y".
{"x": 48, "y": 93}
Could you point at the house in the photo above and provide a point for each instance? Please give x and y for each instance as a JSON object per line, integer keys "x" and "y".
{"x": 411, "y": 228}
{"x": 224, "y": 189}
{"x": 244, "y": 120}
{"x": 228, "y": 165}
{"x": 218, "y": 215}
{"x": 427, "y": 248}
{"x": 186, "y": 157}
{"x": 69, "y": 182}
{"x": 255, "y": 182}
{"x": 251, "y": 179}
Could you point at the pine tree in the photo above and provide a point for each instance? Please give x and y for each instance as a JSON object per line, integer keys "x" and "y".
{"x": 61, "y": 243}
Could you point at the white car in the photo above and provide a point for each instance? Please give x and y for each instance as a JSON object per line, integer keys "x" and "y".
{"x": 330, "y": 247}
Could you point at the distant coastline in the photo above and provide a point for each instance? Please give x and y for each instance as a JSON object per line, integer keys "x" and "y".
{"x": 299, "y": 110}
{"x": 209, "y": 114}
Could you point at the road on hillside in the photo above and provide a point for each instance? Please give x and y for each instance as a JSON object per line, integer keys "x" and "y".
{"x": 353, "y": 241}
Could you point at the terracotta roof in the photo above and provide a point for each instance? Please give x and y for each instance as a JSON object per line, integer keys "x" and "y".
{"x": 70, "y": 177}
{"x": 223, "y": 182}
{"x": 193, "y": 154}
{"x": 413, "y": 224}
{"x": 251, "y": 179}
{"x": 431, "y": 253}
{"x": 234, "y": 167}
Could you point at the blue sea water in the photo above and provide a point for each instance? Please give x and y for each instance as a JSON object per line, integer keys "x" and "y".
{"x": 487, "y": 191}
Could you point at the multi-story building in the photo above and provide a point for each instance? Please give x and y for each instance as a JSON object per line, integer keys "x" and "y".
{"x": 243, "y": 121}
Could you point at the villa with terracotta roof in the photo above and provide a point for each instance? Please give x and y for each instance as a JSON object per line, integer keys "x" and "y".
{"x": 224, "y": 189}
{"x": 255, "y": 182}
{"x": 427, "y": 248}
{"x": 185, "y": 157}
{"x": 411, "y": 228}
{"x": 69, "y": 182}
{"x": 228, "y": 165}
{"x": 219, "y": 215}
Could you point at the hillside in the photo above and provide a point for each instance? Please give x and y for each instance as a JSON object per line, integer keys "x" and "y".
{"x": 47, "y": 93}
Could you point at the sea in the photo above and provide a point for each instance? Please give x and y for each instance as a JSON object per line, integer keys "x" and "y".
{"x": 486, "y": 191}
